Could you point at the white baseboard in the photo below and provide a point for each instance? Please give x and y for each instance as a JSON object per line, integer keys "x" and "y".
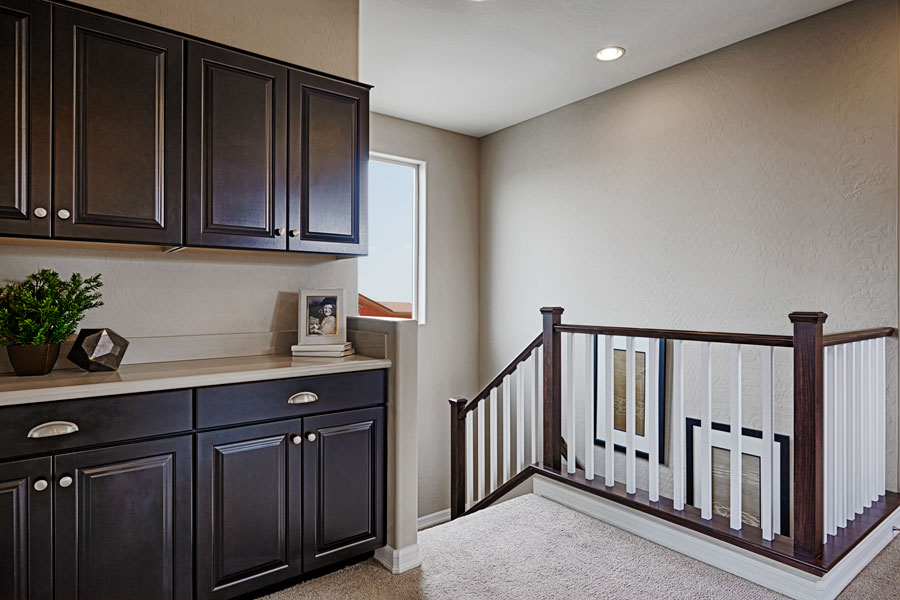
{"x": 435, "y": 518}
{"x": 758, "y": 569}
{"x": 399, "y": 561}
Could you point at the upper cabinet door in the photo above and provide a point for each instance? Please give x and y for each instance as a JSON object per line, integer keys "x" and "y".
{"x": 24, "y": 118}
{"x": 329, "y": 155}
{"x": 236, "y": 124}
{"x": 117, "y": 103}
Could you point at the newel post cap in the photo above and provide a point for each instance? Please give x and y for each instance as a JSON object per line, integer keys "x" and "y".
{"x": 552, "y": 310}
{"x": 807, "y": 317}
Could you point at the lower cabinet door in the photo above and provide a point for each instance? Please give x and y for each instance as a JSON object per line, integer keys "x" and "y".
{"x": 26, "y": 537}
{"x": 248, "y": 508}
{"x": 343, "y": 486}
{"x": 123, "y": 521}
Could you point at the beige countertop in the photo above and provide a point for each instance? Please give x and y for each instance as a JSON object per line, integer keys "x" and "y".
{"x": 69, "y": 384}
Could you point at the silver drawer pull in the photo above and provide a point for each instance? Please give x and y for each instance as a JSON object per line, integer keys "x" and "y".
{"x": 302, "y": 398}
{"x": 53, "y": 428}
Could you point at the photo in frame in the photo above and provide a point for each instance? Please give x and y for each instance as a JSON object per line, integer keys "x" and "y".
{"x": 321, "y": 318}
{"x": 642, "y": 402}
{"x": 751, "y": 499}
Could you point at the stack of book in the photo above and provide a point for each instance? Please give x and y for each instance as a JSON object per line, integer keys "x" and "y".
{"x": 324, "y": 350}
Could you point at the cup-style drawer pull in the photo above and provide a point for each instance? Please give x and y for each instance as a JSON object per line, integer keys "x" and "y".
{"x": 302, "y": 398}
{"x": 53, "y": 428}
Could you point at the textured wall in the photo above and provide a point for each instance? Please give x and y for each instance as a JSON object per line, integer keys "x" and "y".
{"x": 448, "y": 341}
{"x": 720, "y": 194}
{"x": 319, "y": 34}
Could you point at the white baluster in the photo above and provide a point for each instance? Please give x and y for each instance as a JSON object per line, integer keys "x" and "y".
{"x": 736, "y": 438}
{"x": 481, "y": 444}
{"x": 705, "y": 429}
{"x": 630, "y": 413}
{"x": 858, "y": 454}
{"x": 880, "y": 413}
{"x": 507, "y": 428}
{"x": 470, "y": 459}
{"x": 533, "y": 385}
{"x": 767, "y": 472}
{"x": 539, "y": 376}
{"x": 828, "y": 443}
{"x": 588, "y": 406}
{"x": 495, "y": 439}
{"x": 520, "y": 417}
{"x": 678, "y": 459}
{"x": 873, "y": 422}
{"x": 569, "y": 397}
{"x": 840, "y": 453}
{"x": 852, "y": 417}
{"x": 867, "y": 430}
{"x": 609, "y": 404}
{"x": 652, "y": 397}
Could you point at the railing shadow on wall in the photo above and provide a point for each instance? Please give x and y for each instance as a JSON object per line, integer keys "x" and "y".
{"x": 607, "y": 385}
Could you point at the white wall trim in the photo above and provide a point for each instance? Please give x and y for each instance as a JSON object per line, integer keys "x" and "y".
{"x": 399, "y": 561}
{"x": 435, "y": 518}
{"x": 758, "y": 569}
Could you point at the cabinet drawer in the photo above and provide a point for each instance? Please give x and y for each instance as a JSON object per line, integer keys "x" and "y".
{"x": 267, "y": 400}
{"x": 99, "y": 421}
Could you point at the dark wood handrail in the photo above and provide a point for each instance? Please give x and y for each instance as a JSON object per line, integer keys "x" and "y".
{"x": 845, "y": 337}
{"x": 522, "y": 357}
{"x": 753, "y": 339}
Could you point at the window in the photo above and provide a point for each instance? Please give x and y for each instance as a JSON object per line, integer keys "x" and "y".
{"x": 391, "y": 277}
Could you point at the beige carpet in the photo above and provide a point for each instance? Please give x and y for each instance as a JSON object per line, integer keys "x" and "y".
{"x": 530, "y": 547}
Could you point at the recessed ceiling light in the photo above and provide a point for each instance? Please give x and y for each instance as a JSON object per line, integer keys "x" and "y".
{"x": 610, "y": 53}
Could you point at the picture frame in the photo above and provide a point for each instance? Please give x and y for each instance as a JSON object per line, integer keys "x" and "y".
{"x": 642, "y": 403}
{"x": 321, "y": 318}
{"x": 751, "y": 442}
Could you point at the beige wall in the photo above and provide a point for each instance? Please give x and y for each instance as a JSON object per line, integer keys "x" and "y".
{"x": 318, "y": 34}
{"x": 719, "y": 194}
{"x": 448, "y": 342}
{"x": 196, "y": 293}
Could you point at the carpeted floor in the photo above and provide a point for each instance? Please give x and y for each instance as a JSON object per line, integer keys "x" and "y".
{"x": 530, "y": 548}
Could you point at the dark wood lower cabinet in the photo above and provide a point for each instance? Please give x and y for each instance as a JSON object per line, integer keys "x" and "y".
{"x": 343, "y": 486}
{"x": 248, "y": 508}
{"x": 26, "y": 538}
{"x": 123, "y": 521}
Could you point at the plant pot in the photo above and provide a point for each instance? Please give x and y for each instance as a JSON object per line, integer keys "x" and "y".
{"x": 33, "y": 360}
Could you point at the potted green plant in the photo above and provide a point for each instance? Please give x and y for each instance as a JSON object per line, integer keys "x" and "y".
{"x": 39, "y": 313}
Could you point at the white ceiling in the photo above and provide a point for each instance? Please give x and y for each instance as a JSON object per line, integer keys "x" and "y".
{"x": 476, "y": 67}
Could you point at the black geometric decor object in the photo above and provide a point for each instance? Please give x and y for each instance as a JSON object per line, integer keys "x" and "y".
{"x": 98, "y": 350}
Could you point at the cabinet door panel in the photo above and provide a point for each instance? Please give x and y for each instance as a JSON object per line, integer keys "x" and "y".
{"x": 248, "y": 508}
{"x": 343, "y": 486}
{"x": 24, "y": 117}
{"x": 118, "y": 131}
{"x": 123, "y": 527}
{"x": 329, "y": 157}
{"x": 237, "y": 150}
{"x": 25, "y": 530}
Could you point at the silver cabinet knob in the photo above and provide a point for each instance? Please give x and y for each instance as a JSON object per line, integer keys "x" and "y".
{"x": 63, "y": 214}
{"x": 295, "y": 232}
{"x": 311, "y": 437}
{"x": 296, "y": 439}
{"x": 65, "y": 481}
{"x": 40, "y": 485}
{"x": 279, "y": 232}
{"x": 40, "y": 212}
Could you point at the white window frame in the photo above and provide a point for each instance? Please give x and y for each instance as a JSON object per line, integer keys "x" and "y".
{"x": 419, "y": 228}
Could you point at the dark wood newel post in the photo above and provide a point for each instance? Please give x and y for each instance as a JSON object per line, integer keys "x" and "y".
{"x": 552, "y": 388}
{"x": 809, "y": 425}
{"x": 457, "y": 457}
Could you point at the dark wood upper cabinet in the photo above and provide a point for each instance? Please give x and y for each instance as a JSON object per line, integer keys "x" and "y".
{"x": 343, "y": 486}
{"x": 26, "y": 541}
{"x": 236, "y": 127}
{"x": 248, "y": 508}
{"x": 329, "y": 153}
{"x": 123, "y": 521}
{"x": 25, "y": 139}
{"x": 118, "y": 133}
